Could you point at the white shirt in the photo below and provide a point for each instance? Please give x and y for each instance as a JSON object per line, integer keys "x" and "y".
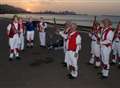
{"x": 108, "y": 39}
{"x": 43, "y": 26}
{"x": 63, "y": 34}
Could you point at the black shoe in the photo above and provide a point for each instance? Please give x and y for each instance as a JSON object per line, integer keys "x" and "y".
{"x": 27, "y": 46}
{"x": 119, "y": 66}
{"x": 103, "y": 77}
{"x": 96, "y": 67}
{"x": 68, "y": 75}
{"x": 31, "y": 46}
{"x": 99, "y": 73}
{"x": 18, "y": 58}
{"x": 42, "y": 46}
{"x": 88, "y": 63}
{"x": 71, "y": 77}
{"x": 64, "y": 64}
{"x": 23, "y": 50}
{"x": 10, "y": 59}
{"x": 112, "y": 63}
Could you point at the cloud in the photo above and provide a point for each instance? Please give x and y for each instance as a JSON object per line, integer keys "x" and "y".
{"x": 60, "y": 1}
{"x": 82, "y": 6}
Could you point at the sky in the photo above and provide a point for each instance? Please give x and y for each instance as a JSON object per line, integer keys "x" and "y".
{"x": 98, "y": 7}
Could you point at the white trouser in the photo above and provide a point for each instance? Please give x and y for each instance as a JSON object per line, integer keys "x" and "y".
{"x": 92, "y": 52}
{"x": 13, "y": 43}
{"x": 105, "y": 55}
{"x": 72, "y": 61}
{"x": 30, "y": 37}
{"x": 96, "y": 52}
{"x": 92, "y": 47}
{"x": 96, "y": 49}
{"x": 64, "y": 48}
{"x": 42, "y": 36}
{"x": 66, "y": 60}
{"x": 21, "y": 41}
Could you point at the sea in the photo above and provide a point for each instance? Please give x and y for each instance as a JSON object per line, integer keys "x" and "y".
{"x": 82, "y": 20}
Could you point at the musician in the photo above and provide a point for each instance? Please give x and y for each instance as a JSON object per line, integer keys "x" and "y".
{"x": 64, "y": 34}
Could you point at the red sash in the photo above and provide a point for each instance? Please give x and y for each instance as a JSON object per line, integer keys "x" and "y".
{"x": 105, "y": 34}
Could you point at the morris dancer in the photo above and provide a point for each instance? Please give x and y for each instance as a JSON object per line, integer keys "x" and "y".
{"x": 21, "y": 28}
{"x": 106, "y": 46}
{"x": 73, "y": 45}
{"x": 91, "y": 33}
{"x": 12, "y": 32}
{"x": 95, "y": 36}
{"x": 116, "y": 46}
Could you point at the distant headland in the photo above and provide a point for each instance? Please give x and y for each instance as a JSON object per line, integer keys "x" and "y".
{"x": 8, "y": 9}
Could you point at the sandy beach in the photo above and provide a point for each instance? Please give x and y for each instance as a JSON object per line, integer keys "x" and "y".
{"x": 48, "y": 71}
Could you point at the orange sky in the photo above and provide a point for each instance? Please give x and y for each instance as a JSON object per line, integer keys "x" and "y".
{"x": 80, "y": 6}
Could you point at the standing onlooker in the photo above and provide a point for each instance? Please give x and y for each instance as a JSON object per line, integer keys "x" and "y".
{"x": 41, "y": 27}
{"x": 30, "y": 28}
